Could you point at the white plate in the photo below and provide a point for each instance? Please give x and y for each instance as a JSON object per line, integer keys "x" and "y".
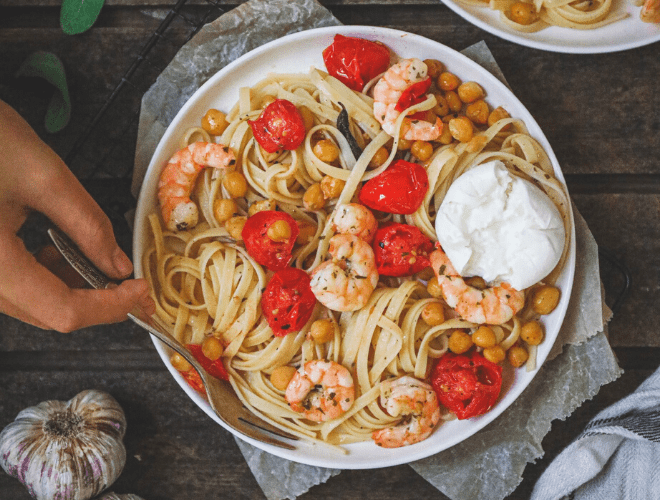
{"x": 296, "y": 53}
{"x": 621, "y": 35}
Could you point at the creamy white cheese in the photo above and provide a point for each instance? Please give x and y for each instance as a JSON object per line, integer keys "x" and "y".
{"x": 500, "y": 227}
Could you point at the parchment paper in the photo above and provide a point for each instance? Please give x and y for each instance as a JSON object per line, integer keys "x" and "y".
{"x": 490, "y": 463}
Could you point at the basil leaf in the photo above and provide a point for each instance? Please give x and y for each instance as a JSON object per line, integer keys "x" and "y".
{"x": 77, "y": 16}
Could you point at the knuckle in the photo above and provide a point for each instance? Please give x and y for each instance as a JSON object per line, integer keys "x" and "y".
{"x": 67, "y": 321}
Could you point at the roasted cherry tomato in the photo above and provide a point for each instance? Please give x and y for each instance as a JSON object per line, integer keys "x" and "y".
{"x": 355, "y": 61}
{"x": 214, "y": 368}
{"x": 414, "y": 94}
{"x": 194, "y": 381}
{"x": 398, "y": 190}
{"x": 467, "y": 384}
{"x": 288, "y": 301}
{"x": 271, "y": 254}
{"x": 280, "y": 126}
{"x": 401, "y": 250}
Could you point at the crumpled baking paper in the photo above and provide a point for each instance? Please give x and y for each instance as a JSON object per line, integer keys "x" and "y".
{"x": 490, "y": 463}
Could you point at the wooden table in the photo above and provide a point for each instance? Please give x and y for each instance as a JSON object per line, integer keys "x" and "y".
{"x": 599, "y": 112}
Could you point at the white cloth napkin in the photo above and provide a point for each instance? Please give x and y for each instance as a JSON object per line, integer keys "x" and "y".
{"x": 617, "y": 455}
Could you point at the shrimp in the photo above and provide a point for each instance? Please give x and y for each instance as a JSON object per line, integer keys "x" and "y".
{"x": 650, "y": 12}
{"x": 494, "y": 305}
{"x": 178, "y": 179}
{"x": 355, "y": 219}
{"x": 322, "y": 391}
{"x": 345, "y": 282}
{"x": 416, "y": 402}
{"x": 387, "y": 92}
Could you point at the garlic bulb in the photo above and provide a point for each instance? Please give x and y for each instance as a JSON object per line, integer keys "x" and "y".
{"x": 114, "y": 496}
{"x": 66, "y": 450}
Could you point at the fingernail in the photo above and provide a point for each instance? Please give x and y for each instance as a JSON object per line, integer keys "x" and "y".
{"x": 123, "y": 264}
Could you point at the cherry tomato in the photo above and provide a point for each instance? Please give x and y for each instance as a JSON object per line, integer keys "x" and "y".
{"x": 271, "y": 254}
{"x": 280, "y": 125}
{"x": 214, "y": 368}
{"x": 194, "y": 381}
{"x": 401, "y": 250}
{"x": 355, "y": 61}
{"x": 398, "y": 190}
{"x": 414, "y": 94}
{"x": 288, "y": 301}
{"x": 467, "y": 384}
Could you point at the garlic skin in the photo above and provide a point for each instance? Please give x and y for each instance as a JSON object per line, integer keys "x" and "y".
{"x": 66, "y": 450}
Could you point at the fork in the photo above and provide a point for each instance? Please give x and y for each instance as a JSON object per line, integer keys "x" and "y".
{"x": 220, "y": 395}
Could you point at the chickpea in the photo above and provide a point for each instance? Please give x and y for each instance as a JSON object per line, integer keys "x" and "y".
{"x": 180, "y": 363}
{"x": 422, "y": 150}
{"x": 224, "y": 209}
{"x": 261, "y": 206}
{"x": 494, "y": 354}
{"x": 212, "y": 348}
{"x": 453, "y": 101}
{"x": 404, "y": 145}
{"x": 322, "y": 331}
{"x": 307, "y": 232}
{"x": 441, "y": 107}
{"x": 484, "y": 336}
{"x": 470, "y": 92}
{"x": 281, "y": 376}
{"x": 445, "y": 135}
{"x": 313, "y": 198}
{"x": 459, "y": 342}
{"x": 448, "y": 81}
{"x": 326, "y": 150}
{"x": 478, "y": 112}
{"x": 461, "y": 129}
{"x": 214, "y": 122}
{"x": 433, "y": 314}
{"x": 532, "y": 333}
{"x": 433, "y": 288}
{"x": 379, "y": 158}
{"x": 307, "y": 116}
{"x": 434, "y": 68}
{"x": 498, "y": 114}
{"x": 477, "y": 282}
{"x": 523, "y": 13}
{"x": 234, "y": 226}
{"x": 331, "y": 187}
{"x": 545, "y": 298}
{"x": 236, "y": 184}
{"x": 517, "y": 356}
{"x": 279, "y": 231}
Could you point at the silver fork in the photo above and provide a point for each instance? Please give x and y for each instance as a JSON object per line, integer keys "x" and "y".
{"x": 221, "y": 396}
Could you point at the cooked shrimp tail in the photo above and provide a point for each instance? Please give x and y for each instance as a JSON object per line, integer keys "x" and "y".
{"x": 355, "y": 219}
{"x": 650, "y": 12}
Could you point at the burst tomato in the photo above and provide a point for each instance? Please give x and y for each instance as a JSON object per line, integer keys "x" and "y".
{"x": 271, "y": 254}
{"x": 355, "y": 61}
{"x": 280, "y": 126}
{"x": 214, "y": 368}
{"x": 467, "y": 384}
{"x": 414, "y": 94}
{"x": 398, "y": 190}
{"x": 401, "y": 250}
{"x": 288, "y": 301}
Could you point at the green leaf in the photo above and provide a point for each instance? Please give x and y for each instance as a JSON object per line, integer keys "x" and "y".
{"x": 48, "y": 66}
{"x": 77, "y": 16}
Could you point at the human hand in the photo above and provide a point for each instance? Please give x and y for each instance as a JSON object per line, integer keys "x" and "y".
{"x": 33, "y": 177}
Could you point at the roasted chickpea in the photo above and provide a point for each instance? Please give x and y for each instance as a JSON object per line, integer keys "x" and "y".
{"x": 470, "y": 92}
{"x": 379, "y": 158}
{"x": 523, "y": 13}
{"x": 532, "y": 333}
{"x": 484, "y": 336}
{"x": 281, "y": 377}
{"x": 459, "y": 342}
{"x": 307, "y": 232}
{"x": 422, "y": 150}
{"x": 448, "y": 81}
{"x": 212, "y": 348}
{"x": 434, "y": 68}
{"x": 404, "y": 145}
{"x": 545, "y": 298}
{"x": 494, "y": 354}
{"x": 224, "y": 209}
{"x": 307, "y": 116}
{"x": 477, "y": 282}
{"x": 331, "y": 187}
{"x": 236, "y": 184}
{"x": 180, "y": 363}
{"x": 326, "y": 150}
{"x": 433, "y": 314}
{"x": 433, "y": 288}
{"x": 214, "y": 122}
{"x": 445, "y": 135}
{"x": 234, "y": 226}
{"x": 453, "y": 101}
{"x": 313, "y": 198}
{"x": 279, "y": 231}
{"x": 461, "y": 129}
{"x": 441, "y": 107}
{"x": 261, "y": 206}
{"x": 498, "y": 114}
{"x": 478, "y": 112}
{"x": 322, "y": 331}
{"x": 517, "y": 356}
